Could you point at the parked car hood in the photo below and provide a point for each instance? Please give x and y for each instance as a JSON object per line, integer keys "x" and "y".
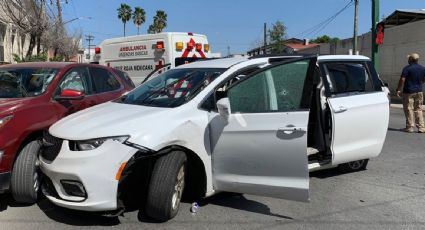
{"x": 110, "y": 119}
{"x": 9, "y": 105}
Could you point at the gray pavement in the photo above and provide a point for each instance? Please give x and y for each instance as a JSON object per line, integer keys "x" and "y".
{"x": 390, "y": 194}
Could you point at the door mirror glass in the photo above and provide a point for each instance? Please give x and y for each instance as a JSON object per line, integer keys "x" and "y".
{"x": 70, "y": 94}
{"x": 223, "y": 106}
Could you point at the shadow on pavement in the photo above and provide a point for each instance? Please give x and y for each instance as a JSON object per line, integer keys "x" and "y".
{"x": 322, "y": 174}
{"x": 239, "y": 202}
{"x": 6, "y": 200}
{"x": 76, "y": 218}
{"x": 396, "y": 130}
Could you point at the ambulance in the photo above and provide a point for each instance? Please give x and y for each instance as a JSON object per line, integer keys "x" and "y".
{"x": 143, "y": 55}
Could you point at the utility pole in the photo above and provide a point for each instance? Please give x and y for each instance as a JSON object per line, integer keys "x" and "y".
{"x": 375, "y": 21}
{"x": 58, "y": 5}
{"x": 228, "y": 51}
{"x": 89, "y": 38}
{"x": 265, "y": 39}
{"x": 356, "y": 27}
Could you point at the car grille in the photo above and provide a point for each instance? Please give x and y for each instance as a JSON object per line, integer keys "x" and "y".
{"x": 51, "y": 147}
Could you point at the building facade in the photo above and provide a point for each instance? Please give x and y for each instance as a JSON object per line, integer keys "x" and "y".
{"x": 11, "y": 41}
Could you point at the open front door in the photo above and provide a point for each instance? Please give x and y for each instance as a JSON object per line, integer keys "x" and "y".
{"x": 359, "y": 108}
{"x": 261, "y": 147}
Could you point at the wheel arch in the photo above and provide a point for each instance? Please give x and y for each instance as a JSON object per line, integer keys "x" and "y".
{"x": 27, "y": 139}
{"x": 136, "y": 177}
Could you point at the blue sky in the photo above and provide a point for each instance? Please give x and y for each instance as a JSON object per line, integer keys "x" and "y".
{"x": 234, "y": 23}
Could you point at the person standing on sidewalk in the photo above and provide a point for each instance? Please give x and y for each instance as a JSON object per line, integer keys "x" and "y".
{"x": 412, "y": 79}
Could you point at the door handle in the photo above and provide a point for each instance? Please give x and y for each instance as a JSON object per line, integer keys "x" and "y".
{"x": 290, "y": 132}
{"x": 340, "y": 109}
{"x": 290, "y": 129}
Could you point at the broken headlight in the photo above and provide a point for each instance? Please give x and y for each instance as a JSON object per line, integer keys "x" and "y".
{"x": 94, "y": 143}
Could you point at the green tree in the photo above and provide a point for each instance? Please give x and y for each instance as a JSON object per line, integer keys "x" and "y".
{"x": 277, "y": 35}
{"x": 160, "y": 21}
{"x": 325, "y": 39}
{"x": 138, "y": 17}
{"x": 124, "y": 13}
{"x": 151, "y": 29}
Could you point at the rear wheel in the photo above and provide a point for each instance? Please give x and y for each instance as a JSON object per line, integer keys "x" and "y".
{"x": 166, "y": 186}
{"x": 353, "y": 166}
{"x": 25, "y": 180}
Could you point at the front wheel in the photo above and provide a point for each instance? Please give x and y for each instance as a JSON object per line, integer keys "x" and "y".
{"x": 166, "y": 186}
{"x": 25, "y": 180}
{"x": 353, "y": 166}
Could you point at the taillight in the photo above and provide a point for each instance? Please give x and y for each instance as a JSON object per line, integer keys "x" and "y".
{"x": 179, "y": 45}
{"x": 159, "y": 45}
{"x": 206, "y": 47}
{"x": 198, "y": 47}
{"x": 97, "y": 50}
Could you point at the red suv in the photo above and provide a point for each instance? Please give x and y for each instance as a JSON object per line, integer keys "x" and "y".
{"x": 32, "y": 97}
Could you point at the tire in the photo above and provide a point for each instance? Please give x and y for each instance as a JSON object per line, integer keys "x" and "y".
{"x": 25, "y": 179}
{"x": 353, "y": 166}
{"x": 166, "y": 186}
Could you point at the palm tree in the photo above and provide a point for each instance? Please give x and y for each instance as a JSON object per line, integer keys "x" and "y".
{"x": 151, "y": 29}
{"x": 138, "y": 17}
{"x": 160, "y": 20}
{"x": 124, "y": 13}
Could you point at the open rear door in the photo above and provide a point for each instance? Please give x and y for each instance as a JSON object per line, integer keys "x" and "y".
{"x": 261, "y": 146}
{"x": 359, "y": 109}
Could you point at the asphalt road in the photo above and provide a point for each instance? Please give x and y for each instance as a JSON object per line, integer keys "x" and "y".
{"x": 390, "y": 194}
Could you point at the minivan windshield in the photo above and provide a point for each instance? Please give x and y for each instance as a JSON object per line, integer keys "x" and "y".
{"x": 172, "y": 88}
{"x": 25, "y": 82}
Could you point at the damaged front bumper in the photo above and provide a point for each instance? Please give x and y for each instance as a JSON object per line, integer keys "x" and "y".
{"x": 86, "y": 180}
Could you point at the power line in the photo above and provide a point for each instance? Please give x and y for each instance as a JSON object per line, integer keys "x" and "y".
{"x": 76, "y": 15}
{"x": 319, "y": 27}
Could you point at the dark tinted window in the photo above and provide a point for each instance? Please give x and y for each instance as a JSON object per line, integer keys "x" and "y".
{"x": 277, "y": 89}
{"x": 348, "y": 77}
{"x": 103, "y": 80}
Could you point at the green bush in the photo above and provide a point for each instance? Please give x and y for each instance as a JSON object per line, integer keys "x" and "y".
{"x": 33, "y": 58}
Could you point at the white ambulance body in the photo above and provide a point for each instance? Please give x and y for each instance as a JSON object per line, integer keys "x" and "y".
{"x": 142, "y": 54}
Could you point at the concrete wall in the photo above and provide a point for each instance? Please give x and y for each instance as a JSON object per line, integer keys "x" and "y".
{"x": 399, "y": 41}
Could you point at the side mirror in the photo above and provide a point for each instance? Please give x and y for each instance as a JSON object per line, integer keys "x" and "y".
{"x": 70, "y": 94}
{"x": 223, "y": 106}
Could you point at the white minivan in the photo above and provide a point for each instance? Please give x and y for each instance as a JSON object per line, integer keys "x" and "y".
{"x": 244, "y": 125}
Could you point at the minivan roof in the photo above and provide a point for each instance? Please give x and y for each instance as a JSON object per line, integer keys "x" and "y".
{"x": 228, "y": 62}
{"x": 214, "y": 63}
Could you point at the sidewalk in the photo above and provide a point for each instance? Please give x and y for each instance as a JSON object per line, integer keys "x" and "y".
{"x": 400, "y": 106}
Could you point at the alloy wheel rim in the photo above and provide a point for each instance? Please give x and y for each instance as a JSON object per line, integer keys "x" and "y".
{"x": 178, "y": 188}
